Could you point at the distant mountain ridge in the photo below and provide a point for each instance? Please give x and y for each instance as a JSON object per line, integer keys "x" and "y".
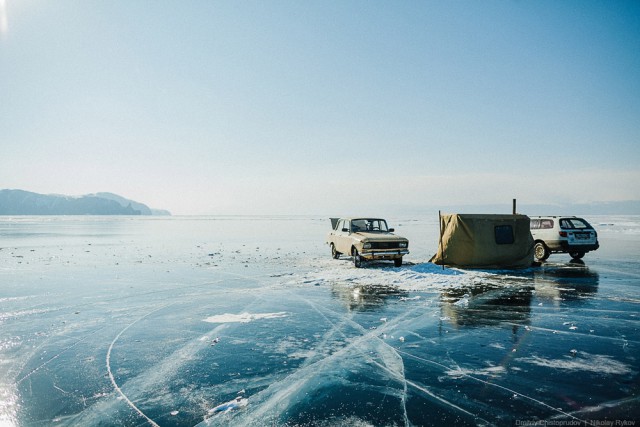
{"x": 20, "y": 202}
{"x": 144, "y": 209}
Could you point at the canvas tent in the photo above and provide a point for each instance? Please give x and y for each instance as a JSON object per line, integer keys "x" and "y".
{"x": 484, "y": 241}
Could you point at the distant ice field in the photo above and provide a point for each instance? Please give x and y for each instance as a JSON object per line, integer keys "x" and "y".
{"x": 247, "y": 321}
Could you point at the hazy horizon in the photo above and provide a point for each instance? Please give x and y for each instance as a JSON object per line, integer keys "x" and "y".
{"x": 623, "y": 208}
{"x": 288, "y": 107}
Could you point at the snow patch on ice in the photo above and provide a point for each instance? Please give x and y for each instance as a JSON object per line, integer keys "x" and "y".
{"x": 243, "y": 317}
{"x": 597, "y": 363}
{"x": 491, "y": 371}
{"x": 21, "y": 313}
{"x": 418, "y": 277}
{"x": 238, "y": 402}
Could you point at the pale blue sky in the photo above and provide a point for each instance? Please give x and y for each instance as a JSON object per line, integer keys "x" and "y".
{"x": 321, "y": 106}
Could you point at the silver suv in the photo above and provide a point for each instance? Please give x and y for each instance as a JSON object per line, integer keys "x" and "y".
{"x": 569, "y": 234}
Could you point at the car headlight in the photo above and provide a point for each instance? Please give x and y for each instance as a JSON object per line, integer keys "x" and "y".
{"x": 403, "y": 244}
{"x": 366, "y": 246}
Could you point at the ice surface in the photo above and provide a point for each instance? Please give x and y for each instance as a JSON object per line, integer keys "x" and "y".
{"x": 158, "y": 321}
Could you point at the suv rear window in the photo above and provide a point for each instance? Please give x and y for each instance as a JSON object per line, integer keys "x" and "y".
{"x": 573, "y": 223}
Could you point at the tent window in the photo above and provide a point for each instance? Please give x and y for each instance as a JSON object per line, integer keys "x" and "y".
{"x": 504, "y": 234}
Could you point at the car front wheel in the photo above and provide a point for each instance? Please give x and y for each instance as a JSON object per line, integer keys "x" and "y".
{"x": 540, "y": 251}
{"x": 576, "y": 255}
{"x": 357, "y": 259}
{"x": 334, "y": 253}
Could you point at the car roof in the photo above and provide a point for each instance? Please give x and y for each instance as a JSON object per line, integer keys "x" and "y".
{"x": 553, "y": 216}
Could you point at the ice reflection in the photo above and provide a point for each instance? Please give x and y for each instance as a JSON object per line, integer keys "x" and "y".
{"x": 484, "y": 305}
{"x": 507, "y": 297}
{"x": 365, "y": 297}
{"x": 566, "y": 282}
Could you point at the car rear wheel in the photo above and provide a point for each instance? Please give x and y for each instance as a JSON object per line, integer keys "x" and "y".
{"x": 357, "y": 259}
{"x": 541, "y": 251}
{"x": 334, "y": 253}
{"x": 397, "y": 262}
{"x": 576, "y": 255}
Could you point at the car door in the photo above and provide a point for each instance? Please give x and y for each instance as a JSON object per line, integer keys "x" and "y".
{"x": 342, "y": 238}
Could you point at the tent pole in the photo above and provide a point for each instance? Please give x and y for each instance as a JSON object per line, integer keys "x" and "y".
{"x": 441, "y": 247}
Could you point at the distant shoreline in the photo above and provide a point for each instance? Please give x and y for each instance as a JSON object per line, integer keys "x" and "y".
{"x": 20, "y": 202}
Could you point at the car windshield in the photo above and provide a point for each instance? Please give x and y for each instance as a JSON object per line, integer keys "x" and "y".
{"x": 368, "y": 224}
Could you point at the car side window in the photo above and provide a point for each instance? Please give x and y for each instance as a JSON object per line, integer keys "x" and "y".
{"x": 546, "y": 223}
{"x": 535, "y": 224}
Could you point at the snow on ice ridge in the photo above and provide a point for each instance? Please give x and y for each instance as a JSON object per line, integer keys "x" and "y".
{"x": 419, "y": 277}
{"x": 416, "y": 277}
{"x": 586, "y": 362}
{"x": 243, "y": 317}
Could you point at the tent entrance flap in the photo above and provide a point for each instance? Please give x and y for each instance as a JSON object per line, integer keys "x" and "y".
{"x": 484, "y": 241}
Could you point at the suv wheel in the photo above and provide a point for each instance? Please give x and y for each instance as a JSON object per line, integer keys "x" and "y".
{"x": 576, "y": 255}
{"x": 540, "y": 251}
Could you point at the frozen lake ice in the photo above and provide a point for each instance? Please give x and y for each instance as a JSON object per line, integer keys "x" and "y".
{"x": 216, "y": 321}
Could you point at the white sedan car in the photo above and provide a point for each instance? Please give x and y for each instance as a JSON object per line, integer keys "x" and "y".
{"x": 366, "y": 239}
